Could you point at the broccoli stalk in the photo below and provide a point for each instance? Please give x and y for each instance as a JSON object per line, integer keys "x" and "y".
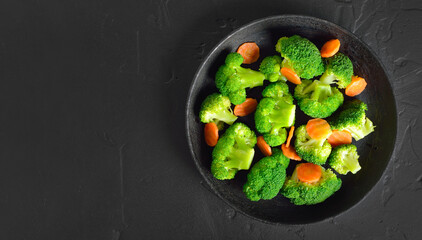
{"x": 339, "y": 69}
{"x": 344, "y": 158}
{"x": 317, "y": 99}
{"x": 234, "y": 151}
{"x": 217, "y": 108}
{"x": 232, "y": 79}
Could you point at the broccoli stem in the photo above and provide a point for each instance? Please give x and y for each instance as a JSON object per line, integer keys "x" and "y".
{"x": 240, "y": 158}
{"x": 351, "y": 163}
{"x": 225, "y": 116}
{"x": 284, "y": 114}
{"x": 365, "y": 129}
{"x": 327, "y": 78}
{"x": 321, "y": 92}
{"x": 250, "y": 78}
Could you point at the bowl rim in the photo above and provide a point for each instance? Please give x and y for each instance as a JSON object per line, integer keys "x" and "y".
{"x": 217, "y": 46}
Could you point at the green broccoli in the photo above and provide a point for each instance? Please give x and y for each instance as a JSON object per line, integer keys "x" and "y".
{"x": 317, "y": 99}
{"x": 217, "y": 108}
{"x": 266, "y": 177}
{"x": 275, "y": 112}
{"x": 270, "y": 67}
{"x": 352, "y": 118}
{"x": 311, "y": 150}
{"x": 344, "y": 158}
{"x": 301, "y": 193}
{"x": 234, "y": 151}
{"x": 338, "y": 69}
{"x": 300, "y": 55}
{"x": 232, "y": 79}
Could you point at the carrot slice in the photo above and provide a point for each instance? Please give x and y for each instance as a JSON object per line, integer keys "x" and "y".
{"x": 318, "y": 128}
{"x": 249, "y": 52}
{"x": 290, "y": 75}
{"x": 308, "y": 172}
{"x": 211, "y": 134}
{"x": 290, "y": 152}
{"x": 330, "y": 48}
{"x": 263, "y": 146}
{"x": 339, "y": 138}
{"x": 357, "y": 86}
{"x": 245, "y": 108}
{"x": 289, "y": 137}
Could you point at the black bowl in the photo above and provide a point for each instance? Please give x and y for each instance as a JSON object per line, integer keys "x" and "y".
{"x": 375, "y": 150}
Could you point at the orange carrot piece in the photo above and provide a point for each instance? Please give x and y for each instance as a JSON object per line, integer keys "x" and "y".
{"x": 289, "y": 137}
{"x": 290, "y": 75}
{"x": 249, "y": 52}
{"x": 263, "y": 146}
{"x": 245, "y": 108}
{"x": 290, "y": 152}
{"x": 308, "y": 172}
{"x": 357, "y": 86}
{"x": 339, "y": 138}
{"x": 330, "y": 48}
{"x": 211, "y": 134}
{"x": 318, "y": 128}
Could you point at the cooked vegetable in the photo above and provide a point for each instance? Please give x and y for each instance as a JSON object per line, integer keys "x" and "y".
{"x": 290, "y": 152}
{"x": 290, "y": 136}
{"x": 300, "y": 55}
{"x": 216, "y": 108}
{"x": 317, "y": 99}
{"x": 338, "y": 138}
{"x": 245, "y": 108}
{"x": 309, "y": 172}
{"x": 232, "y": 79}
{"x": 249, "y": 52}
{"x": 275, "y": 112}
{"x": 318, "y": 129}
{"x": 309, "y": 149}
{"x": 290, "y": 75}
{"x": 266, "y": 177}
{"x": 302, "y": 193}
{"x": 352, "y": 118}
{"x": 263, "y": 146}
{"x": 270, "y": 67}
{"x": 234, "y": 151}
{"x": 330, "y": 48}
{"x": 356, "y": 87}
{"x": 211, "y": 134}
{"x": 339, "y": 69}
{"x": 345, "y": 158}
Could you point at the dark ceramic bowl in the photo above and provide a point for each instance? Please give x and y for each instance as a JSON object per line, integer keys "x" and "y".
{"x": 375, "y": 150}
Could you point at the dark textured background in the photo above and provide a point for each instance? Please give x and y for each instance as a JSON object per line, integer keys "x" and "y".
{"x": 92, "y": 137}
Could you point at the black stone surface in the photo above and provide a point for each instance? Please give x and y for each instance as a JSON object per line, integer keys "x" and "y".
{"x": 92, "y": 137}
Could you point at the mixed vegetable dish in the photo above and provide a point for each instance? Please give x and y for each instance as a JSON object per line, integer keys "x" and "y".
{"x": 322, "y": 147}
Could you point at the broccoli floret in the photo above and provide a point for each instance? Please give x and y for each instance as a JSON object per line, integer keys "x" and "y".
{"x": 275, "y": 112}
{"x": 339, "y": 69}
{"x": 344, "y": 158}
{"x": 352, "y": 118}
{"x": 270, "y": 67}
{"x": 217, "y": 108}
{"x": 266, "y": 177}
{"x": 232, "y": 79}
{"x": 317, "y": 99}
{"x": 309, "y": 149}
{"x": 234, "y": 151}
{"x": 301, "y": 193}
{"x": 301, "y": 55}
